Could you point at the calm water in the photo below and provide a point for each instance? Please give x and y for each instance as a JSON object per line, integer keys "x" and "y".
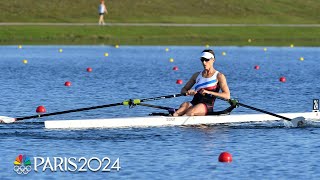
{"x": 260, "y": 150}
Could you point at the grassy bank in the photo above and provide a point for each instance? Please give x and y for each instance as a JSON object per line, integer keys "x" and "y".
{"x": 274, "y": 36}
{"x": 177, "y": 11}
{"x": 162, "y": 11}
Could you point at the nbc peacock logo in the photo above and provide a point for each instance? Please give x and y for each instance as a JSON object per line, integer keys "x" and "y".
{"x": 22, "y": 164}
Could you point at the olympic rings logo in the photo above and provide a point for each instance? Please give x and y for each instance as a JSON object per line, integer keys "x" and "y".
{"x": 22, "y": 169}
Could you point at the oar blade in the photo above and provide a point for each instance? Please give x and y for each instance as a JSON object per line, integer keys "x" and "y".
{"x": 7, "y": 120}
{"x": 298, "y": 121}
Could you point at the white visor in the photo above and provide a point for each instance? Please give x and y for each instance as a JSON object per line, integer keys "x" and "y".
{"x": 207, "y": 55}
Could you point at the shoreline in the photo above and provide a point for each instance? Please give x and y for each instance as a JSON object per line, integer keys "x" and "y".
{"x": 78, "y": 34}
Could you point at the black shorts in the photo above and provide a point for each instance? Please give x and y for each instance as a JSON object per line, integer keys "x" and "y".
{"x": 205, "y": 100}
{"x": 101, "y": 14}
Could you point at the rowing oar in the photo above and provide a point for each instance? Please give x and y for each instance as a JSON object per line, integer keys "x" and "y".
{"x": 130, "y": 102}
{"x": 296, "y": 122}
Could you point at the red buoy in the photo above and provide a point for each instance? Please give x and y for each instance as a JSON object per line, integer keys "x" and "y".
{"x": 282, "y": 79}
{"x": 89, "y": 69}
{"x": 179, "y": 81}
{"x": 41, "y": 109}
{"x": 175, "y": 68}
{"x": 68, "y": 83}
{"x": 225, "y": 157}
{"x": 256, "y": 67}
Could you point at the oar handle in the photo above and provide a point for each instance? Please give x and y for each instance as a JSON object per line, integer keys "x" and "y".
{"x": 98, "y": 107}
{"x": 163, "y": 97}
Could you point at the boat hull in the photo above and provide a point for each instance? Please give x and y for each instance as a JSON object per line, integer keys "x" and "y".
{"x": 156, "y": 121}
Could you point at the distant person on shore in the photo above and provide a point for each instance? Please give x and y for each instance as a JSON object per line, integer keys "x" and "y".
{"x": 102, "y": 10}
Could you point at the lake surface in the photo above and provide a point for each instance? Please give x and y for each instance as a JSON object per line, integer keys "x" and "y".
{"x": 260, "y": 150}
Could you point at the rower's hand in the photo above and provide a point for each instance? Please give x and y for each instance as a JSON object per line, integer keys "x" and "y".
{"x": 191, "y": 92}
{"x": 203, "y": 92}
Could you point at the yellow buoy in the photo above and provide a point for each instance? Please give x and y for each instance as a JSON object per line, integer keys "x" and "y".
{"x": 171, "y": 59}
{"x": 106, "y": 54}
{"x": 301, "y": 59}
{"x": 167, "y": 49}
{"x": 224, "y": 53}
{"x": 116, "y": 46}
{"x": 291, "y": 45}
{"x": 60, "y": 50}
{"x": 249, "y": 40}
{"x": 19, "y": 46}
{"x": 265, "y": 49}
{"x": 25, "y": 61}
{"x": 207, "y": 46}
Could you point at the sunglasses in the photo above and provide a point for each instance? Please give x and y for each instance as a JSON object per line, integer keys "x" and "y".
{"x": 204, "y": 59}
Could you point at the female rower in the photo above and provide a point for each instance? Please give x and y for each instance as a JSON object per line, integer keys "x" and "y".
{"x": 207, "y": 84}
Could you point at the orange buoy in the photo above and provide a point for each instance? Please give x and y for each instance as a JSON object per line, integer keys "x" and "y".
{"x": 225, "y": 157}
{"x": 41, "y": 109}
{"x": 175, "y": 68}
{"x": 68, "y": 83}
{"x": 282, "y": 79}
{"x": 256, "y": 67}
{"x": 179, "y": 81}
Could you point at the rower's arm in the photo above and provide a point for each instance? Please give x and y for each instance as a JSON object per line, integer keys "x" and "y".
{"x": 190, "y": 83}
{"x": 225, "y": 92}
